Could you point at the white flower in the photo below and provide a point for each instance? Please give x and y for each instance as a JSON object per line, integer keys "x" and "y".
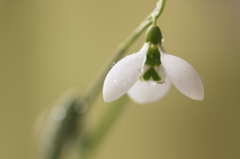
{"x": 147, "y": 75}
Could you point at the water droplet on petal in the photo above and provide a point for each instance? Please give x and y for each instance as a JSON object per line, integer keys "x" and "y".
{"x": 115, "y": 81}
{"x": 140, "y": 55}
{"x": 140, "y": 69}
{"x": 152, "y": 83}
{"x": 113, "y": 64}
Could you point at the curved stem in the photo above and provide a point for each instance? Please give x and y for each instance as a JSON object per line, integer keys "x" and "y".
{"x": 63, "y": 132}
{"x": 96, "y": 87}
{"x": 162, "y": 4}
{"x": 91, "y": 141}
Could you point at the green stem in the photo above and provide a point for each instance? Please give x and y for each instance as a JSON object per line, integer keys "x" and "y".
{"x": 162, "y": 3}
{"x": 91, "y": 141}
{"x": 67, "y": 128}
{"x": 96, "y": 87}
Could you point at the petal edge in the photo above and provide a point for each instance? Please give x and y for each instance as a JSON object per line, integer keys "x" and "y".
{"x": 182, "y": 75}
{"x": 142, "y": 92}
{"x": 124, "y": 75}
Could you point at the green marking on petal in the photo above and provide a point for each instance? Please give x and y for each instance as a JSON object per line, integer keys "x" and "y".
{"x": 153, "y": 56}
{"x": 151, "y": 72}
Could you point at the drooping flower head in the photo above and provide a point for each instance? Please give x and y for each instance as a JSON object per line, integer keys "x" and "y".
{"x": 146, "y": 76}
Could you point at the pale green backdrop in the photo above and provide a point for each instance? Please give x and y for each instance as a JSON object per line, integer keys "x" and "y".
{"x": 49, "y": 46}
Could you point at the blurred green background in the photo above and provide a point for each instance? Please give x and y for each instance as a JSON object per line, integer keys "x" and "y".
{"x": 49, "y": 46}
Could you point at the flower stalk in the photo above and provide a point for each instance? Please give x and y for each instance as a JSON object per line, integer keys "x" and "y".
{"x": 60, "y": 134}
{"x": 96, "y": 87}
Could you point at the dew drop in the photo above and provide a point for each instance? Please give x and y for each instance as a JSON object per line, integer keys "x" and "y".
{"x": 113, "y": 64}
{"x": 152, "y": 83}
{"x": 140, "y": 55}
{"x": 140, "y": 69}
{"x": 115, "y": 81}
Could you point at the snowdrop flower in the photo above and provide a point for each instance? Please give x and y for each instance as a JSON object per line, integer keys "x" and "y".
{"x": 146, "y": 76}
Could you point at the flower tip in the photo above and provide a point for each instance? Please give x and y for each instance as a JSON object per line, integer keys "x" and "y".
{"x": 106, "y": 97}
{"x": 197, "y": 96}
{"x": 200, "y": 97}
{"x": 106, "y": 100}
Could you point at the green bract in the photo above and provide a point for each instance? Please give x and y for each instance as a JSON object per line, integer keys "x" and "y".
{"x": 154, "y": 35}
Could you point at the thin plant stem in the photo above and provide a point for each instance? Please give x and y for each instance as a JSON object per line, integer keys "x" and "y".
{"x": 96, "y": 87}
{"x": 92, "y": 140}
{"x": 63, "y": 132}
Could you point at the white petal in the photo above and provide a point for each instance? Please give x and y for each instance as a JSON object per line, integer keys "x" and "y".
{"x": 182, "y": 75}
{"x": 146, "y": 91}
{"x": 124, "y": 74}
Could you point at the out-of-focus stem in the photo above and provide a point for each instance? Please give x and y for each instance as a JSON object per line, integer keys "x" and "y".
{"x": 91, "y": 141}
{"x": 63, "y": 131}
